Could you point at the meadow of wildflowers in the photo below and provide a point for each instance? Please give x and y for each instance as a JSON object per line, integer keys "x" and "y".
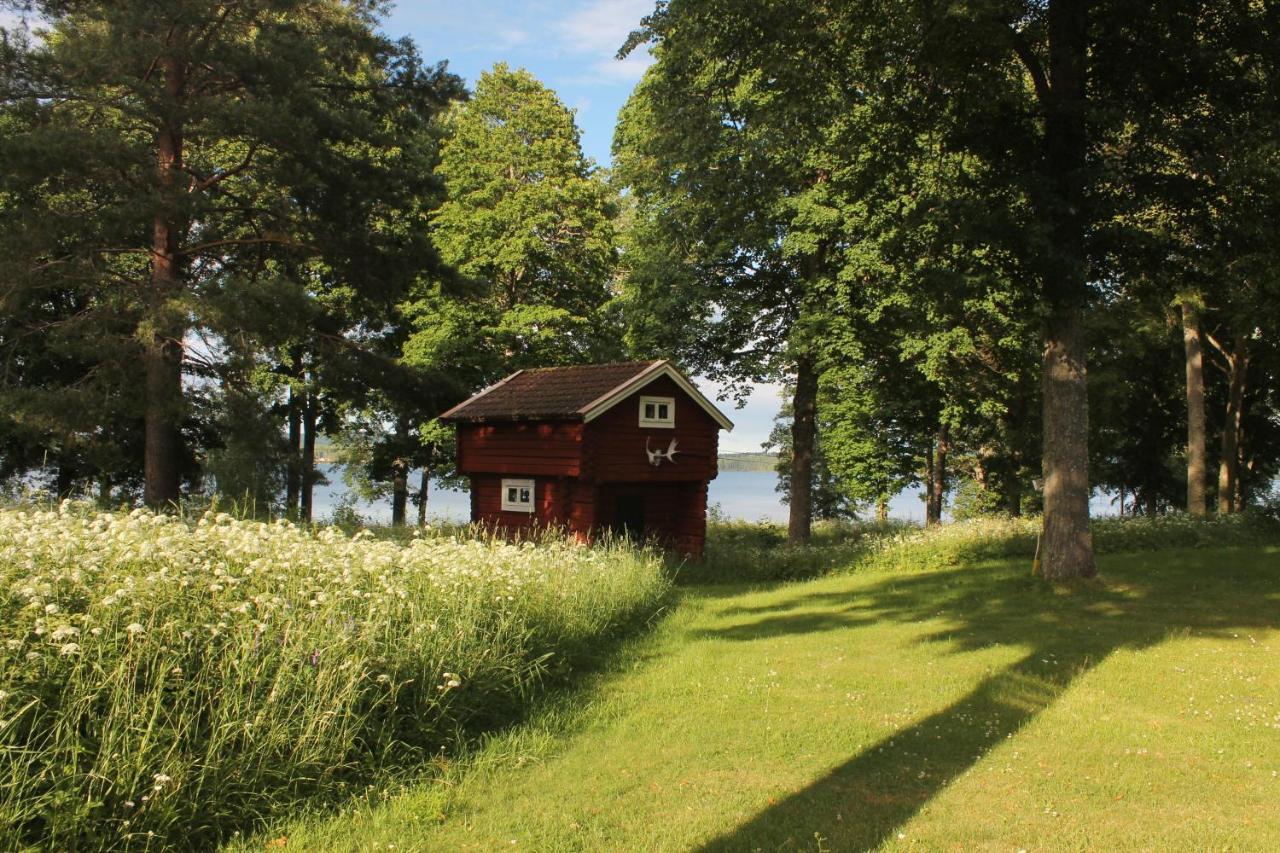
{"x": 165, "y": 681}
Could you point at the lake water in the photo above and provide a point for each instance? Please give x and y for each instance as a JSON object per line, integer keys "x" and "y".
{"x": 745, "y": 495}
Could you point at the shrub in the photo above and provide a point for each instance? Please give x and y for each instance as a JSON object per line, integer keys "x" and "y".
{"x": 162, "y": 682}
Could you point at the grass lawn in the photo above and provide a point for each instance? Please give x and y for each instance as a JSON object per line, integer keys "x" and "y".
{"x": 966, "y": 708}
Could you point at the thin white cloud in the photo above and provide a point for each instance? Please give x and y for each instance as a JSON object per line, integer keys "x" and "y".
{"x": 601, "y": 26}
{"x": 628, "y": 70}
{"x": 511, "y": 37}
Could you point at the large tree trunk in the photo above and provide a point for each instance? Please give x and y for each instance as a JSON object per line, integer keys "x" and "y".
{"x": 1232, "y": 426}
{"x": 162, "y": 345}
{"x": 1067, "y": 544}
{"x": 803, "y": 431}
{"x": 1197, "y": 462}
{"x": 882, "y": 508}
{"x": 308, "y": 474}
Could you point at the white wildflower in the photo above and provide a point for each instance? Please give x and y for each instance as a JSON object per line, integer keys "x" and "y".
{"x": 63, "y": 633}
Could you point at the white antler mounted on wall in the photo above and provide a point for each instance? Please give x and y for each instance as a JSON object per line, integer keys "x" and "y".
{"x": 656, "y": 456}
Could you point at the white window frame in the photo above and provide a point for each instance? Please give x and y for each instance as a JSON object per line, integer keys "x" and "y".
{"x": 519, "y": 486}
{"x": 662, "y": 423}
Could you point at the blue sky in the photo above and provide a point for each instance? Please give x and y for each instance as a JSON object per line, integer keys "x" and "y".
{"x": 570, "y": 46}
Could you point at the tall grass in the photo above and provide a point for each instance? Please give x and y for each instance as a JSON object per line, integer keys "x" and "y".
{"x": 738, "y": 551}
{"x": 163, "y": 682}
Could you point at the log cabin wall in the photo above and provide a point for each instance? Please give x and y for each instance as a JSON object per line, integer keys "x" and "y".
{"x": 548, "y": 448}
{"x": 614, "y": 443}
{"x": 552, "y": 503}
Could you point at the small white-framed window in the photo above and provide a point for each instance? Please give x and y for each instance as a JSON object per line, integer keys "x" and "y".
{"x": 517, "y": 495}
{"x": 658, "y": 412}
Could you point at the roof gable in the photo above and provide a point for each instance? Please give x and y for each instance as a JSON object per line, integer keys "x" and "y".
{"x": 582, "y": 392}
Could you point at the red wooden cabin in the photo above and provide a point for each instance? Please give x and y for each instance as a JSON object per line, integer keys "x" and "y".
{"x": 626, "y": 447}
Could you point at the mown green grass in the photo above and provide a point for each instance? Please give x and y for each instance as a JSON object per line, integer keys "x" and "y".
{"x": 962, "y": 707}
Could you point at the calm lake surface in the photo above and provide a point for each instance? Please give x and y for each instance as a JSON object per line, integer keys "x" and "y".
{"x": 745, "y": 495}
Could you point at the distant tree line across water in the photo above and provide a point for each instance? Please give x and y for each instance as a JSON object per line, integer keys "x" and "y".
{"x": 1011, "y": 251}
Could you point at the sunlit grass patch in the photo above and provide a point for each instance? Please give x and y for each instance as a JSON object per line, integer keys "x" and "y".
{"x": 969, "y": 707}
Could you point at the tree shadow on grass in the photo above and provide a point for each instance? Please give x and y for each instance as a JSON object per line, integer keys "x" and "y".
{"x": 1144, "y": 599}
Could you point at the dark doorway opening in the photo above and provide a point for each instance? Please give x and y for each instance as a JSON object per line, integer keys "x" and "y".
{"x": 628, "y": 516}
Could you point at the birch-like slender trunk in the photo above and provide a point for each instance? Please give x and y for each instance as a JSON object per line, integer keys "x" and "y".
{"x": 1233, "y": 426}
{"x": 293, "y": 481}
{"x": 423, "y": 494}
{"x": 1197, "y": 459}
{"x": 310, "y": 417}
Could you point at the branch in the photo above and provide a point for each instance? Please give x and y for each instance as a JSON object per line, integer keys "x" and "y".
{"x": 1225, "y": 359}
{"x": 1217, "y": 344}
{"x": 247, "y": 241}
{"x": 213, "y": 180}
{"x": 1038, "y": 79}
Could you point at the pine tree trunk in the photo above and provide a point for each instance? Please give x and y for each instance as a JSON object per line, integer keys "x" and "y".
{"x": 1197, "y": 460}
{"x": 1232, "y": 427}
{"x": 1067, "y": 544}
{"x": 162, "y": 346}
{"x": 803, "y": 431}
{"x": 308, "y": 473}
{"x": 162, "y": 439}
